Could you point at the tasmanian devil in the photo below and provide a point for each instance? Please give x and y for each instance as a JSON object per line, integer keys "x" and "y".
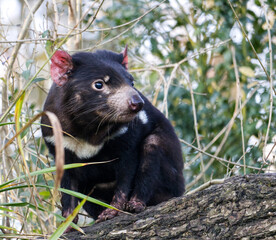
{"x": 106, "y": 118}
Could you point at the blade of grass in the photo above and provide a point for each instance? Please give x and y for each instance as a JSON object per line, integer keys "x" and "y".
{"x": 6, "y": 123}
{"x": 61, "y": 229}
{"x": 22, "y": 204}
{"x": 10, "y": 216}
{"x": 18, "y": 109}
{"x": 8, "y": 228}
{"x": 70, "y": 192}
{"x": 81, "y": 196}
{"x": 5, "y": 209}
{"x": 26, "y": 204}
{"x": 52, "y": 169}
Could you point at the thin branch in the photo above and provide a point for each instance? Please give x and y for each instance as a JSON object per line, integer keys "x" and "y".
{"x": 271, "y": 75}
{"x": 225, "y": 128}
{"x": 136, "y": 20}
{"x": 246, "y": 36}
{"x": 195, "y": 119}
{"x": 228, "y": 129}
{"x": 93, "y": 18}
{"x": 206, "y": 185}
{"x": 166, "y": 90}
{"x": 122, "y": 33}
{"x": 22, "y": 34}
{"x": 56, "y": 21}
{"x": 238, "y": 88}
{"x": 217, "y": 158}
{"x": 247, "y": 151}
{"x": 201, "y": 51}
{"x": 30, "y": 40}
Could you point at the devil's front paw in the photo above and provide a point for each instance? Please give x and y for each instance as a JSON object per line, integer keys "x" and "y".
{"x": 107, "y": 214}
{"x": 135, "y": 206}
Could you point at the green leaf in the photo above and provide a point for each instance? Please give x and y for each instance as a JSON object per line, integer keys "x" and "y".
{"x": 45, "y": 194}
{"x": 29, "y": 62}
{"x": 46, "y": 34}
{"x": 26, "y": 74}
{"x": 49, "y": 47}
{"x": 38, "y": 80}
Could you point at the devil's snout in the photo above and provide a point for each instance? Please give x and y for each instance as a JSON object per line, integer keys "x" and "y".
{"x": 135, "y": 103}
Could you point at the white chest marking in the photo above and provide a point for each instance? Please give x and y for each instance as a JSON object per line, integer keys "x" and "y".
{"x": 82, "y": 148}
{"x": 78, "y": 146}
{"x": 143, "y": 117}
{"x": 120, "y": 132}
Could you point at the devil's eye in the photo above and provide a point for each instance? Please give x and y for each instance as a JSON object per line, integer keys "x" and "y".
{"x": 98, "y": 85}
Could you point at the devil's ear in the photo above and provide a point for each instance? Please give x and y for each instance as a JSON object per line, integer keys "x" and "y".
{"x": 61, "y": 67}
{"x": 125, "y": 58}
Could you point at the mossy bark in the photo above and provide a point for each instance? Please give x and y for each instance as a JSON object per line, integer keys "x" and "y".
{"x": 240, "y": 208}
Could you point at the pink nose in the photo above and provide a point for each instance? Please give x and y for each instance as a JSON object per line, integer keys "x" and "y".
{"x": 135, "y": 103}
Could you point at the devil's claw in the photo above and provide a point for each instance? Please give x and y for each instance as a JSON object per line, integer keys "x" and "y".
{"x": 135, "y": 206}
{"x": 107, "y": 214}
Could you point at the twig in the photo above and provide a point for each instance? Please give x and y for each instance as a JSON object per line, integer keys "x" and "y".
{"x": 228, "y": 128}
{"x": 271, "y": 80}
{"x": 236, "y": 113}
{"x": 206, "y": 185}
{"x": 201, "y": 51}
{"x": 30, "y": 40}
{"x": 247, "y": 151}
{"x": 71, "y": 22}
{"x": 122, "y": 33}
{"x": 93, "y": 18}
{"x": 166, "y": 90}
{"x": 195, "y": 118}
{"x": 238, "y": 87}
{"x": 246, "y": 36}
{"x": 22, "y": 34}
{"x": 217, "y": 158}
{"x": 56, "y": 18}
{"x": 163, "y": 80}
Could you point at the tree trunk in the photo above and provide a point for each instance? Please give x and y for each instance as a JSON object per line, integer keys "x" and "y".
{"x": 240, "y": 208}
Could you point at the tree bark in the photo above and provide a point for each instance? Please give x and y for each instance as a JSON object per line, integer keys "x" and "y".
{"x": 240, "y": 208}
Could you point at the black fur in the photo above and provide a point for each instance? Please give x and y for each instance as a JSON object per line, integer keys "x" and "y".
{"x": 148, "y": 161}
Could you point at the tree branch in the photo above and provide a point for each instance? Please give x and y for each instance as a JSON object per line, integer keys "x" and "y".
{"x": 240, "y": 207}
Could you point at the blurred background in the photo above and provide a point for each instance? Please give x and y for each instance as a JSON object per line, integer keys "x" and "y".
{"x": 209, "y": 66}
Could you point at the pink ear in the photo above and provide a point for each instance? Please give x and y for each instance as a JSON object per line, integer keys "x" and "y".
{"x": 125, "y": 58}
{"x": 60, "y": 66}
